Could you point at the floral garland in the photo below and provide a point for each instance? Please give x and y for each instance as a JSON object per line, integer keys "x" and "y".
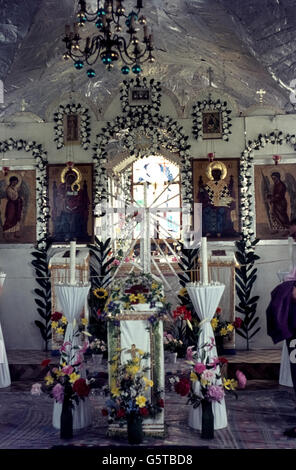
{"x": 140, "y": 111}
{"x": 84, "y": 124}
{"x": 162, "y": 131}
{"x": 245, "y": 181}
{"x": 42, "y": 205}
{"x": 210, "y": 105}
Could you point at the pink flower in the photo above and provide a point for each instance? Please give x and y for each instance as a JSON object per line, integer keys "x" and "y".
{"x": 63, "y": 347}
{"x": 212, "y": 344}
{"x": 126, "y": 260}
{"x": 215, "y": 362}
{"x": 199, "y": 367}
{"x": 189, "y": 353}
{"x": 58, "y": 393}
{"x": 85, "y": 346}
{"x": 215, "y": 393}
{"x": 36, "y": 389}
{"x": 116, "y": 262}
{"x": 68, "y": 370}
{"x": 208, "y": 375}
{"x": 241, "y": 379}
{"x": 79, "y": 358}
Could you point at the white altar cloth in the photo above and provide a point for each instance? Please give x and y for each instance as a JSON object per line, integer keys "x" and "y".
{"x": 205, "y": 299}
{"x": 72, "y": 300}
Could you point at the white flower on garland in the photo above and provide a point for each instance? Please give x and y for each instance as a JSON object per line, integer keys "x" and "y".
{"x": 207, "y": 106}
{"x": 84, "y": 124}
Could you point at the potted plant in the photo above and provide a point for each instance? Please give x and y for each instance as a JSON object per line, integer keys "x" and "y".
{"x": 171, "y": 347}
{"x": 128, "y": 403}
{"x": 222, "y": 329}
{"x": 97, "y": 348}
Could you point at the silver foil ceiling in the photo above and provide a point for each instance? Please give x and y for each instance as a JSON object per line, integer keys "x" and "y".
{"x": 248, "y": 44}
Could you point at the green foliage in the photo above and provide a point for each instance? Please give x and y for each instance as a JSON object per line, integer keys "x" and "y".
{"x": 43, "y": 301}
{"x": 246, "y": 276}
{"x": 101, "y": 270}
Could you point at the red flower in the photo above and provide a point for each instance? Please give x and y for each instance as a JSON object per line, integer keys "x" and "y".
{"x": 45, "y": 362}
{"x": 137, "y": 289}
{"x": 144, "y": 411}
{"x": 81, "y": 388}
{"x": 104, "y": 412}
{"x": 182, "y": 311}
{"x": 223, "y": 360}
{"x": 183, "y": 387}
{"x": 56, "y": 316}
{"x": 161, "y": 403}
{"x": 237, "y": 322}
{"x": 120, "y": 413}
{"x": 218, "y": 310}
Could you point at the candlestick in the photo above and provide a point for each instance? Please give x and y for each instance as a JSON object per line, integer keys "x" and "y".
{"x": 72, "y": 262}
{"x": 204, "y": 260}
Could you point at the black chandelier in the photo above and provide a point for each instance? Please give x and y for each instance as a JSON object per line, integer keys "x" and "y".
{"x": 108, "y": 45}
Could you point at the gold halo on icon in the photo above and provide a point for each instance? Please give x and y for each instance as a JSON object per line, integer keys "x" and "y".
{"x": 10, "y": 174}
{"x": 73, "y": 170}
{"x": 216, "y": 165}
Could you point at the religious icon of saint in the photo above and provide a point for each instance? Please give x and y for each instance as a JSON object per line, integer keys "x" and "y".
{"x": 212, "y": 124}
{"x": 218, "y": 202}
{"x": 13, "y": 210}
{"x": 72, "y": 134}
{"x": 70, "y": 207}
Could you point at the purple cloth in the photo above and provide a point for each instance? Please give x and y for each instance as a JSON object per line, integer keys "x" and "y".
{"x": 281, "y": 313}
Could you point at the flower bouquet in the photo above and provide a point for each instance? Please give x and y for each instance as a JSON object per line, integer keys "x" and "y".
{"x": 129, "y": 388}
{"x": 203, "y": 385}
{"x": 222, "y": 329}
{"x": 97, "y": 346}
{"x": 64, "y": 382}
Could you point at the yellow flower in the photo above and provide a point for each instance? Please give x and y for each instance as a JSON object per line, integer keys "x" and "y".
{"x": 154, "y": 285}
{"x": 183, "y": 292}
{"x": 84, "y": 321}
{"x": 223, "y": 331}
{"x": 73, "y": 377}
{"x": 132, "y": 370}
{"x": 115, "y": 391}
{"x": 60, "y": 330}
{"x": 64, "y": 320}
{"x": 141, "y": 401}
{"x": 193, "y": 377}
{"x": 141, "y": 298}
{"x": 59, "y": 373}
{"x": 214, "y": 323}
{"x": 49, "y": 379}
{"x": 100, "y": 293}
{"x": 113, "y": 367}
{"x": 54, "y": 325}
{"x": 229, "y": 384}
{"x": 162, "y": 299}
{"x": 114, "y": 358}
{"x": 141, "y": 352}
{"x": 204, "y": 382}
{"x": 230, "y": 327}
{"x": 133, "y": 298}
{"x": 148, "y": 383}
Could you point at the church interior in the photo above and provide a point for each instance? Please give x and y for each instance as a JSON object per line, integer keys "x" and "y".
{"x": 147, "y": 207}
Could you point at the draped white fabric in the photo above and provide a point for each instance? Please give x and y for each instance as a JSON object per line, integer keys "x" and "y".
{"x": 205, "y": 299}
{"x": 72, "y": 300}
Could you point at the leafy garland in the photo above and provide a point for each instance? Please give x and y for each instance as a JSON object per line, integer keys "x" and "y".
{"x": 163, "y": 132}
{"x": 84, "y": 124}
{"x": 42, "y": 205}
{"x": 210, "y": 105}
{"x": 43, "y": 303}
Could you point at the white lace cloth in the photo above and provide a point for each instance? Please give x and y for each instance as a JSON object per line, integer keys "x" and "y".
{"x": 205, "y": 299}
{"x": 72, "y": 299}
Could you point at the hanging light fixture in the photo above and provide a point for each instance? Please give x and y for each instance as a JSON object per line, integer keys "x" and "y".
{"x": 108, "y": 45}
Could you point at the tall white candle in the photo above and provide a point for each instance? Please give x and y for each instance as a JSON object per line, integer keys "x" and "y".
{"x": 72, "y": 262}
{"x": 204, "y": 260}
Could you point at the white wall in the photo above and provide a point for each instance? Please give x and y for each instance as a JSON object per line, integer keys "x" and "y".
{"x": 17, "y": 306}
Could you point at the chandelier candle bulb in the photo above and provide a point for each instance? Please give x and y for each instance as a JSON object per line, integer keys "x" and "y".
{"x": 204, "y": 260}
{"x": 72, "y": 262}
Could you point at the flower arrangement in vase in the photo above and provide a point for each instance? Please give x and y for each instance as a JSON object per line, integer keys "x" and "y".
{"x": 203, "y": 384}
{"x": 171, "y": 347}
{"x": 129, "y": 386}
{"x": 64, "y": 382}
{"x": 136, "y": 292}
